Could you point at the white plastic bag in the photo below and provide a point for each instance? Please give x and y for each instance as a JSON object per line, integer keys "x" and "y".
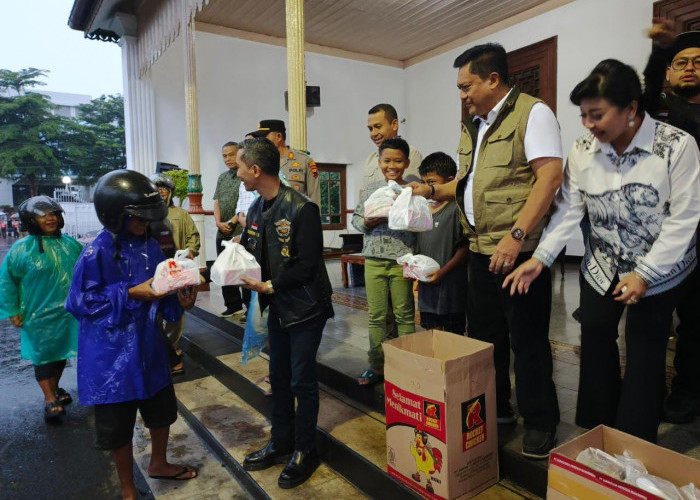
{"x": 410, "y": 213}
{"x": 379, "y": 203}
{"x": 233, "y": 264}
{"x": 602, "y": 462}
{"x": 690, "y": 492}
{"x": 175, "y": 273}
{"x": 417, "y": 267}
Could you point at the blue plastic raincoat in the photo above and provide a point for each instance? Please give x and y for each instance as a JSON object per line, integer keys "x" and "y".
{"x": 121, "y": 351}
{"x": 35, "y": 285}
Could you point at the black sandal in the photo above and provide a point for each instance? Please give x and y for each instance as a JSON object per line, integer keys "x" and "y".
{"x": 63, "y": 397}
{"x": 51, "y": 412}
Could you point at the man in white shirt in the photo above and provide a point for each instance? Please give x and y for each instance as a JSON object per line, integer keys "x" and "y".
{"x": 513, "y": 157}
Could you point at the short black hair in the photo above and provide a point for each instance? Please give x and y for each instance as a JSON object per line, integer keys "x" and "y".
{"x": 395, "y": 143}
{"x": 486, "y": 59}
{"x": 440, "y": 163}
{"x": 230, "y": 143}
{"x": 612, "y": 80}
{"x": 389, "y": 111}
{"x": 261, "y": 152}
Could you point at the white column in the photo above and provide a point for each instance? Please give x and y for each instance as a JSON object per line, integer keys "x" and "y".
{"x": 191, "y": 117}
{"x": 139, "y": 112}
{"x": 296, "y": 79}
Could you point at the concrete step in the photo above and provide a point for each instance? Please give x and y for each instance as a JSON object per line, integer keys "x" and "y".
{"x": 351, "y": 433}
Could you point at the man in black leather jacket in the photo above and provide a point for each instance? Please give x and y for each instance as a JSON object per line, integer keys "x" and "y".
{"x": 283, "y": 232}
{"x": 678, "y": 58}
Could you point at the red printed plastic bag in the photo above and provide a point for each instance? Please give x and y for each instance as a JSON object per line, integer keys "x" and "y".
{"x": 175, "y": 273}
{"x": 410, "y": 213}
{"x": 417, "y": 267}
{"x": 234, "y": 264}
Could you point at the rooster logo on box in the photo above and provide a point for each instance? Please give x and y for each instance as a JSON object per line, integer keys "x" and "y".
{"x": 428, "y": 459}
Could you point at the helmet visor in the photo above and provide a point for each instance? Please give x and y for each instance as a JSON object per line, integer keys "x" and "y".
{"x": 155, "y": 211}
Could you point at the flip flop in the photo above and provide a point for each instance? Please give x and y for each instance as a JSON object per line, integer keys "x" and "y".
{"x": 178, "y": 477}
{"x": 63, "y": 397}
{"x": 50, "y": 412}
{"x": 371, "y": 378}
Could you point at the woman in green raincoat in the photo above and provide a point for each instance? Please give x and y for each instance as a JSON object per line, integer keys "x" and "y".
{"x": 34, "y": 281}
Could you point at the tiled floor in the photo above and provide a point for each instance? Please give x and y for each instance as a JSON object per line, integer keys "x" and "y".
{"x": 345, "y": 344}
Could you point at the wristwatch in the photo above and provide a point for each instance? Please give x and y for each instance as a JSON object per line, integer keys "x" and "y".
{"x": 517, "y": 234}
{"x": 269, "y": 289}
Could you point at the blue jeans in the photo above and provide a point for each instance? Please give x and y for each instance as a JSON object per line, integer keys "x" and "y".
{"x": 293, "y": 375}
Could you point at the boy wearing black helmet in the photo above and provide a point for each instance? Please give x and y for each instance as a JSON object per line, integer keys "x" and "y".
{"x": 122, "y": 360}
{"x": 34, "y": 281}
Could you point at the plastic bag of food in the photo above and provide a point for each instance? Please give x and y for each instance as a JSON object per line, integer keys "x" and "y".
{"x": 690, "y": 492}
{"x": 234, "y": 264}
{"x": 602, "y": 462}
{"x": 410, "y": 213}
{"x": 175, "y": 273}
{"x": 656, "y": 486}
{"x": 417, "y": 267}
{"x": 379, "y": 203}
{"x": 633, "y": 467}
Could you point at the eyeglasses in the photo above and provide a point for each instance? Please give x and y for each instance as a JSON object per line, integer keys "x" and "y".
{"x": 681, "y": 63}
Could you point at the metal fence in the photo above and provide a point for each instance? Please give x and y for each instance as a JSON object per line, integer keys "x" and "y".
{"x": 80, "y": 219}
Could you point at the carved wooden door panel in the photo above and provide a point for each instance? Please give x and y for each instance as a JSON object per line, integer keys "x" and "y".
{"x": 685, "y": 15}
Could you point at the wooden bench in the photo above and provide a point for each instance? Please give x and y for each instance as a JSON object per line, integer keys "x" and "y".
{"x": 351, "y": 258}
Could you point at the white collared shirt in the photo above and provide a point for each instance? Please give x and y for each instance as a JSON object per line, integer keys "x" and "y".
{"x": 644, "y": 207}
{"x": 542, "y": 140}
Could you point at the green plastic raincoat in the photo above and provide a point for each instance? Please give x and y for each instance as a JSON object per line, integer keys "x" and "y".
{"x": 36, "y": 285}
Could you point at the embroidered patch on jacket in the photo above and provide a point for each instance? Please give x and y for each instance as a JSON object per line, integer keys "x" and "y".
{"x": 283, "y": 226}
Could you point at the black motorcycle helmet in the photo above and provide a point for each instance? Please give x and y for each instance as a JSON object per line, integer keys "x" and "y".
{"x": 39, "y": 205}
{"x": 127, "y": 192}
{"x": 162, "y": 180}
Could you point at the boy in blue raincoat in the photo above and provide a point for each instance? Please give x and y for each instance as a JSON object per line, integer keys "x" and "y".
{"x": 122, "y": 360}
{"x": 34, "y": 281}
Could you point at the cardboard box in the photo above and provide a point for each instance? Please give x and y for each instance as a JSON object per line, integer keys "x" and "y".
{"x": 440, "y": 395}
{"x": 570, "y": 479}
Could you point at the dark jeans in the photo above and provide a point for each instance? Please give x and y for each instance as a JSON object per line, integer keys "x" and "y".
{"x": 293, "y": 375}
{"x": 453, "y": 323}
{"x": 231, "y": 294}
{"x": 687, "y": 359}
{"x": 632, "y": 404}
{"x": 520, "y": 322}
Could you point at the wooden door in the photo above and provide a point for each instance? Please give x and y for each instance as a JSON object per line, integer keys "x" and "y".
{"x": 685, "y": 14}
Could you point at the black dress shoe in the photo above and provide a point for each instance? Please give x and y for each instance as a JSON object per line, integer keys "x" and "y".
{"x": 299, "y": 468}
{"x": 537, "y": 444}
{"x": 267, "y": 457}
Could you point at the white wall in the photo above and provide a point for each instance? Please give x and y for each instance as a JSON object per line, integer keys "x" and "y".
{"x": 241, "y": 82}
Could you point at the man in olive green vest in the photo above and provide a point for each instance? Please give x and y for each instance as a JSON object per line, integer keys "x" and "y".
{"x": 510, "y": 151}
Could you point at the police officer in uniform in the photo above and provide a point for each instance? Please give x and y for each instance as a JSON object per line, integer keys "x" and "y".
{"x": 298, "y": 168}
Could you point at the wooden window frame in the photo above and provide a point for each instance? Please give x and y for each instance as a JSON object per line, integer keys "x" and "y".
{"x": 342, "y": 169}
